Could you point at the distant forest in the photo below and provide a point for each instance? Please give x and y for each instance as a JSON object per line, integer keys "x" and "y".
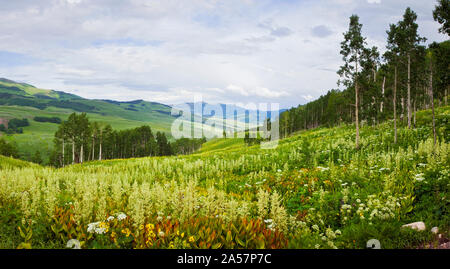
{"x": 78, "y": 140}
{"x": 407, "y": 77}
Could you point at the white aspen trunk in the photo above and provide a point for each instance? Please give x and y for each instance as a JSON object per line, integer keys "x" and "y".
{"x": 93, "y": 148}
{"x": 81, "y": 153}
{"x": 356, "y": 105}
{"x": 409, "y": 92}
{"x": 402, "y": 103}
{"x": 73, "y": 150}
{"x": 432, "y": 101}
{"x": 63, "y": 152}
{"x": 395, "y": 106}
{"x": 446, "y": 93}
{"x": 382, "y": 94}
{"x": 100, "y": 151}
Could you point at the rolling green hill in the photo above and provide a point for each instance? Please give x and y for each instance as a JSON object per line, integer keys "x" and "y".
{"x": 21, "y": 100}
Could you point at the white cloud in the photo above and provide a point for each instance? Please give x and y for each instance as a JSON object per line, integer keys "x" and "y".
{"x": 374, "y": 1}
{"x": 167, "y": 50}
{"x": 256, "y": 91}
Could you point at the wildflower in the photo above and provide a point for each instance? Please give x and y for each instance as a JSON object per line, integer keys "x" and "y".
{"x": 100, "y": 230}
{"x": 121, "y": 216}
{"x": 159, "y": 218}
{"x": 110, "y": 218}
{"x": 191, "y": 239}
{"x": 149, "y": 226}
{"x": 92, "y": 226}
{"x": 126, "y": 231}
{"x": 323, "y": 168}
{"x": 419, "y": 177}
{"x": 161, "y": 234}
{"x": 73, "y": 244}
{"x": 315, "y": 227}
{"x": 182, "y": 235}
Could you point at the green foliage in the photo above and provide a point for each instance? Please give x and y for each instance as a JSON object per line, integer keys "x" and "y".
{"x": 441, "y": 14}
{"x": 313, "y": 191}
{"x": 14, "y": 126}
{"x": 8, "y": 149}
{"x": 48, "y": 119}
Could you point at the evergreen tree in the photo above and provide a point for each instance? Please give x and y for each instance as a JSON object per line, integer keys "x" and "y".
{"x": 352, "y": 49}
{"x": 37, "y": 157}
{"x": 408, "y": 44}
{"x": 441, "y": 14}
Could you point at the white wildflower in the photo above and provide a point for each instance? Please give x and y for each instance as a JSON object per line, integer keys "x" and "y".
{"x": 121, "y": 216}
{"x": 92, "y": 226}
{"x": 73, "y": 244}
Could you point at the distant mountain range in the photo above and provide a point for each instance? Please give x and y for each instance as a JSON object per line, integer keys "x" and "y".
{"x": 230, "y": 112}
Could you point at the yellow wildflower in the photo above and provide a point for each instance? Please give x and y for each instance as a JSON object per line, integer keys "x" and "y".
{"x": 191, "y": 239}
{"x": 126, "y": 231}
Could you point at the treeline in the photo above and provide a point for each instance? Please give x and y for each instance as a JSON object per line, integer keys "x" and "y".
{"x": 406, "y": 78}
{"x": 42, "y": 103}
{"x": 78, "y": 140}
{"x": 14, "y": 126}
{"x": 8, "y": 149}
{"x": 48, "y": 119}
{"x": 257, "y": 136}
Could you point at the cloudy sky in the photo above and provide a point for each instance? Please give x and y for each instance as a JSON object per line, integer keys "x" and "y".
{"x": 167, "y": 51}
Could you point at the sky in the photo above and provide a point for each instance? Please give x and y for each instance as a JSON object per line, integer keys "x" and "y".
{"x": 169, "y": 51}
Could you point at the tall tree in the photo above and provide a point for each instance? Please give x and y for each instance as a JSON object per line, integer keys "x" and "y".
{"x": 430, "y": 59}
{"x": 352, "y": 49}
{"x": 61, "y": 137}
{"x": 84, "y": 133}
{"x": 95, "y": 131}
{"x": 105, "y": 132}
{"x": 392, "y": 56}
{"x": 71, "y": 132}
{"x": 409, "y": 41}
{"x": 441, "y": 14}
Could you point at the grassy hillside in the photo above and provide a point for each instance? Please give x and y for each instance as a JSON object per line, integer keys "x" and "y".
{"x": 315, "y": 190}
{"x": 19, "y": 100}
{"x": 11, "y": 163}
{"x": 220, "y": 144}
